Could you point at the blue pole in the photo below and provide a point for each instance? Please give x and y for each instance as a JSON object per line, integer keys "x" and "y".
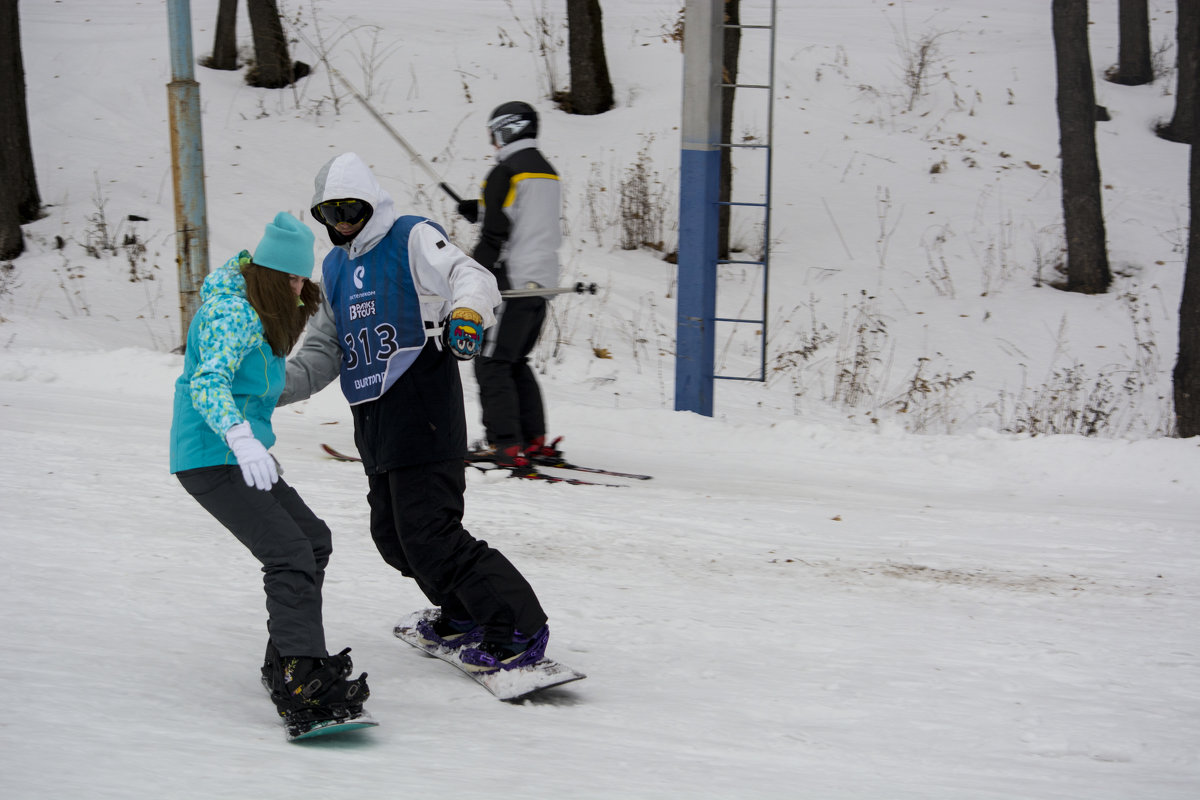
{"x": 699, "y": 193}
{"x": 187, "y": 165}
{"x": 697, "y": 290}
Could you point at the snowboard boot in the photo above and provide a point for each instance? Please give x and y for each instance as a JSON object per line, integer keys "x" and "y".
{"x": 521, "y": 651}
{"x": 270, "y": 664}
{"x": 317, "y": 688}
{"x": 442, "y": 631}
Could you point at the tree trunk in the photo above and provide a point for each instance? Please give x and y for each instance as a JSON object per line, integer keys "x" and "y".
{"x": 273, "y": 65}
{"x": 1187, "y": 364}
{"x": 1087, "y": 254}
{"x": 591, "y": 87}
{"x": 20, "y": 201}
{"x": 1133, "y": 62}
{"x": 224, "y": 52}
{"x": 732, "y": 47}
{"x": 1187, "y": 46}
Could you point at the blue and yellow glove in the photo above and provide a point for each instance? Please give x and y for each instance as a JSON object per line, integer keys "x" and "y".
{"x": 462, "y": 333}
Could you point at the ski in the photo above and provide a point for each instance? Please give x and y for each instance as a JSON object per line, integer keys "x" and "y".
{"x": 558, "y": 463}
{"x": 337, "y": 454}
{"x": 531, "y": 474}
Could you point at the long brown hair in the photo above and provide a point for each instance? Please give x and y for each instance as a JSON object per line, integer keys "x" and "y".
{"x": 283, "y": 315}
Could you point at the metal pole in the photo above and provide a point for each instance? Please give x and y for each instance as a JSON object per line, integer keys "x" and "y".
{"x": 187, "y": 165}
{"x": 699, "y": 192}
{"x": 400, "y": 140}
{"x": 578, "y": 288}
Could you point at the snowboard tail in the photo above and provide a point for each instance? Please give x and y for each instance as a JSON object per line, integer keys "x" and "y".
{"x": 513, "y": 684}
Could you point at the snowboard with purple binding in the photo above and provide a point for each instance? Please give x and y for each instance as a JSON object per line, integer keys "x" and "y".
{"x": 512, "y": 684}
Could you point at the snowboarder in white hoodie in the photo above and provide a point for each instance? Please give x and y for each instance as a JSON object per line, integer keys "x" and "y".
{"x": 402, "y": 306}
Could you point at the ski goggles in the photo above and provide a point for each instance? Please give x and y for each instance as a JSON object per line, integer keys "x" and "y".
{"x": 336, "y": 211}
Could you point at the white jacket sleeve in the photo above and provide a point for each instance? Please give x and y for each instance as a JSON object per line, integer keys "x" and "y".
{"x": 316, "y": 364}
{"x": 447, "y": 278}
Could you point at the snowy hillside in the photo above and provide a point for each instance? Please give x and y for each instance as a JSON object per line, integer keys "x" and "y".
{"x": 816, "y": 596}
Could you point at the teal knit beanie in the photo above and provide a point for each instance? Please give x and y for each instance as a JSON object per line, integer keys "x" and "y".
{"x": 287, "y": 246}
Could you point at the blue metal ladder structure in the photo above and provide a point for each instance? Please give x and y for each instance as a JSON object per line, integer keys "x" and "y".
{"x": 763, "y": 262}
{"x": 701, "y": 150}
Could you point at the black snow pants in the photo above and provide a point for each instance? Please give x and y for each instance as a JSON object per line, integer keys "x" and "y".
{"x": 509, "y": 395}
{"x": 416, "y": 522}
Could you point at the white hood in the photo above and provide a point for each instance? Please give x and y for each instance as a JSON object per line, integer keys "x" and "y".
{"x": 347, "y": 176}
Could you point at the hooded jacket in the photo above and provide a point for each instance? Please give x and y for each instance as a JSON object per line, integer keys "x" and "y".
{"x": 419, "y": 418}
{"x": 230, "y": 375}
{"x": 521, "y": 208}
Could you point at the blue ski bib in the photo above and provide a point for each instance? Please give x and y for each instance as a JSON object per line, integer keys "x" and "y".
{"x": 377, "y": 312}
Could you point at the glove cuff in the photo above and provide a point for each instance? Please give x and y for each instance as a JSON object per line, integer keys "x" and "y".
{"x": 237, "y": 432}
{"x": 468, "y": 314}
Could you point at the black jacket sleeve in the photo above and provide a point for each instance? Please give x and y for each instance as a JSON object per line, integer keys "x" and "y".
{"x": 496, "y": 225}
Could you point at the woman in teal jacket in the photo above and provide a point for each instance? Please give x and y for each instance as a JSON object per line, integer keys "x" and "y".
{"x": 253, "y": 310}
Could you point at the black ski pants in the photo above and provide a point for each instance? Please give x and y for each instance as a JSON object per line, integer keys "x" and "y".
{"x": 416, "y": 522}
{"x": 289, "y": 540}
{"x": 509, "y": 396}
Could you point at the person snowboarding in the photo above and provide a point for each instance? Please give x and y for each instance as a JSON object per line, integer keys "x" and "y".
{"x": 402, "y": 307}
{"x": 253, "y": 310}
{"x": 520, "y": 211}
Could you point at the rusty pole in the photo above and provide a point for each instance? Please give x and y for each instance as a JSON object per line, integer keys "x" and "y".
{"x": 187, "y": 165}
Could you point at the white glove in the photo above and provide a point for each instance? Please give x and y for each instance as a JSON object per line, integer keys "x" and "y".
{"x": 258, "y": 466}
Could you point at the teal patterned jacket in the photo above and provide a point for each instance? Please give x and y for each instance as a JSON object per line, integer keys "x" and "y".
{"x": 229, "y": 374}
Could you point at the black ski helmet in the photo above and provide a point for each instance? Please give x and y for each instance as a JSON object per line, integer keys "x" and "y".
{"x": 512, "y": 121}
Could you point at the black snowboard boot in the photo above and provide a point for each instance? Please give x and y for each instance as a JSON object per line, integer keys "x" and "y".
{"x": 317, "y": 688}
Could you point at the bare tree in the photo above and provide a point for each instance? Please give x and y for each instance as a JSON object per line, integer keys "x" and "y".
{"x": 732, "y": 47}
{"x": 224, "y": 52}
{"x": 591, "y": 88}
{"x": 20, "y": 202}
{"x": 1187, "y": 364}
{"x": 1187, "y": 44}
{"x": 1134, "y": 67}
{"x": 1087, "y": 252}
{"x": 273, "y": 67}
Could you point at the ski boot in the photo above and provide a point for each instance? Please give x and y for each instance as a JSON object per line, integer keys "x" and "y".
{"x": 510, "y": 456}
{"x": 546, "y": 455}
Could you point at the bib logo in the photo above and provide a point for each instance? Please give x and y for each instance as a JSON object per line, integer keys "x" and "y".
{"x": 361, "y": 310}
{"x": 359, "y": 271}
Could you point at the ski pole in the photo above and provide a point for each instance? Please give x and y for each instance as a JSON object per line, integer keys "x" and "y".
{"x": 413, "y": 154}
{"x": 579, "y": 288}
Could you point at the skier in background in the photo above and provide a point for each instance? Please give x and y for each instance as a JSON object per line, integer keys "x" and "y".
{"x": 402, "y": 306}
{"x": 254, "y": 310}
{"x": 519, "y": 239}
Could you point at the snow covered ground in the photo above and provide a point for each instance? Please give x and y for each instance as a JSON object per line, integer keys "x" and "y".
{"x": 808, "y": 600}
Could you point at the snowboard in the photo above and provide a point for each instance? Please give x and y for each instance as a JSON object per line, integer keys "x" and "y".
{"x": 295, "y": 727}
{"x": 298, "y": 730}
{"x": 513, "y": 684}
